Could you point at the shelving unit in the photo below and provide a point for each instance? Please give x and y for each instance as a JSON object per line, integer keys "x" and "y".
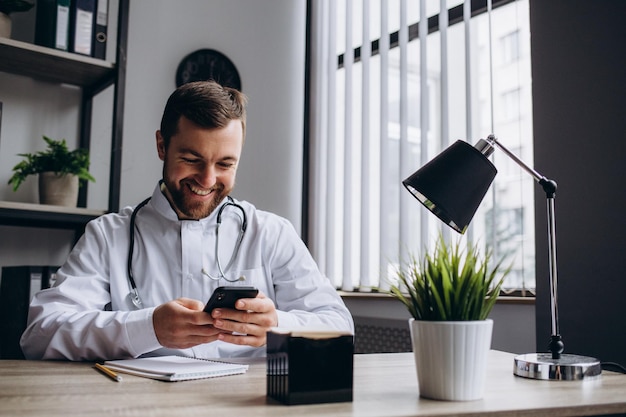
{"x": 52, "y": 65}
{"x": 92, "y": 76}
{"x": 43, "y": 215}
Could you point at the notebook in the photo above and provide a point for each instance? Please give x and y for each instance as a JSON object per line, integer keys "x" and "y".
{"x": 175, "y": 368}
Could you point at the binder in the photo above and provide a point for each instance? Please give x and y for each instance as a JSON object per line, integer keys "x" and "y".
{"x": 18, "y": 285}
{"x": 100, "y": 35}
{"x": 82, "y": 26}
{"x": 53, "y": 24}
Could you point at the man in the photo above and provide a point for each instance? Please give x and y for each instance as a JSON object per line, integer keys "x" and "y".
{"x": 137, "y": 281}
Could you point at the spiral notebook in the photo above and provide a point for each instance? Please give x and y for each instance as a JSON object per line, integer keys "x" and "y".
{"x": 175, "y": 368}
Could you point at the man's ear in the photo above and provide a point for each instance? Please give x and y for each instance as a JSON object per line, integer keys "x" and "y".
{"x": 160, "y": 143}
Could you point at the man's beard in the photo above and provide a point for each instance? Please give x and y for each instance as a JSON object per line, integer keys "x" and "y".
{"x": 196, "y": 210}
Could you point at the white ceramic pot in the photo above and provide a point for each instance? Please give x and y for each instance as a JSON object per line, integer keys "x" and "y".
{"x": 5, "y": 25}
{"x": 451, "y": 358}
{"x": 58, "y": 190}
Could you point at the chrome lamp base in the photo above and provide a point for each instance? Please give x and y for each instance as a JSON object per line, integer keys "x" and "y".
{"x": 567, "y": 367}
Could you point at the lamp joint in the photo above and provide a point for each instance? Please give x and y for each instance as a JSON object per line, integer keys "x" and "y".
{"x": 556, "y": 346}
{"x": 549, "y": 186}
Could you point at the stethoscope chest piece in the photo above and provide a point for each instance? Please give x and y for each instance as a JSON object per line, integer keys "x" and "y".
{"x": 135, "y": 299}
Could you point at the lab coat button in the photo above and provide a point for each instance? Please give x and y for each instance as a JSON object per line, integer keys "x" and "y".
{"x": 189, "y": 225}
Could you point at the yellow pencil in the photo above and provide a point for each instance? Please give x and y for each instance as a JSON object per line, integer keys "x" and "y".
{"x": 108, "y": 372}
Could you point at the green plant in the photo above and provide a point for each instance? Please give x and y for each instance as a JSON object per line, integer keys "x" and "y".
{"x": 10, "y": 6}
{"x": 57, "y": 158}
{"x": 449, "y": 285}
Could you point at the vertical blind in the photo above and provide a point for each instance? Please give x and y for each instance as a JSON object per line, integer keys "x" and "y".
{"x": 392, "y": 83}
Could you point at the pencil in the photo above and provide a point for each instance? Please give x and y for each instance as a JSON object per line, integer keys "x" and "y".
{"x": 108, "y": 372}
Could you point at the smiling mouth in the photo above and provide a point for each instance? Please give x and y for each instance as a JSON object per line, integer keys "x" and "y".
{"x": 199, "y": 191}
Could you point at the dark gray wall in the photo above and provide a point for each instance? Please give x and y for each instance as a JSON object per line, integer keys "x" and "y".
{"x": 579, "y": 99}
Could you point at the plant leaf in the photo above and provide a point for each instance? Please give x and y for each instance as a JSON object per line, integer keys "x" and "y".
{"x": 450, "y": 283}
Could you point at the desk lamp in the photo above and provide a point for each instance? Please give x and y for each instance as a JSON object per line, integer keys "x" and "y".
{"x": 452, "y": 186}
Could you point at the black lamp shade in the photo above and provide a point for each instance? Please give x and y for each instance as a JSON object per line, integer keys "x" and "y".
{"x": 453, "y": 184}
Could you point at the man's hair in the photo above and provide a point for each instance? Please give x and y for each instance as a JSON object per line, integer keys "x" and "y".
{"x": 205, "y": 103}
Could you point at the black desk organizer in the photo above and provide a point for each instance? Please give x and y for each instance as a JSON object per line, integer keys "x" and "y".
{"x": 309, "y": 367}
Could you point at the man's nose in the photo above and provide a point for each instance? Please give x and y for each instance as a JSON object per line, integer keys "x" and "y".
{"x": 207, "y": 176}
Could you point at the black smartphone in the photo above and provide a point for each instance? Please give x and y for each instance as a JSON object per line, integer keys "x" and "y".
{"x": 225, "y": 297}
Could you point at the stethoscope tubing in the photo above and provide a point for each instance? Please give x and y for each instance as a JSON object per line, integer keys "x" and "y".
{"x": 134, "y": 293}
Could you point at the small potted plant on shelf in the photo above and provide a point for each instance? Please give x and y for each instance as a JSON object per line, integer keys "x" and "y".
{"x": 6, "y": 8}
{"x": 59, "y": 172}
{"x": 449, "y": 295}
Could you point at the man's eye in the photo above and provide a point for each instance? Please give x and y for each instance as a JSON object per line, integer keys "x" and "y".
{"x": 226, "y": 165}
{"x": 190, "y": 160}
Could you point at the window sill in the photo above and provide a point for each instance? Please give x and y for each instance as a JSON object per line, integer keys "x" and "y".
{"x": 383, "y": 297}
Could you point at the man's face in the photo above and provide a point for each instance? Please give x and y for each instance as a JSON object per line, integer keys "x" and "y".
{"x": 199, "y": 166}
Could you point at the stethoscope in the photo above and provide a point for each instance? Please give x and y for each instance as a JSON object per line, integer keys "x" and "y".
{"x": 134, "y": 293}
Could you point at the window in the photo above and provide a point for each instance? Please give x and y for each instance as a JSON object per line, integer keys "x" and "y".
{"x": 510, "y": 47}
{"x": 390, "y": 90}
{"x": 510, "y": 105}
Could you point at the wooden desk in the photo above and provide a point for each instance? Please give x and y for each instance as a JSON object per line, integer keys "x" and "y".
{"x": 384, "y": 385}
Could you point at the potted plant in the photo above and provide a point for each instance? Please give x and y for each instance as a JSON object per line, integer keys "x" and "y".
{"x": 59, "y": 172}
{"x": 6, "y": 8}
{"x": 449, "y": 295}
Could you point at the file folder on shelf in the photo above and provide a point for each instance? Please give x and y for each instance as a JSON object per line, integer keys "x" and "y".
{"x": 18, "y": 285}
{"x": 52, "y": 24}
{"x": 100, "y": 34}
{"x": 82, "y": 26}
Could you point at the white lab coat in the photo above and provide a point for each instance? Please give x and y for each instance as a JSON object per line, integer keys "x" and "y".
{"x": 71, "y": 321}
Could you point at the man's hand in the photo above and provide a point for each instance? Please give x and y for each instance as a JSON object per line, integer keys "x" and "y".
{"x": 182, "y": 324}
{"x": 250, "y": 320}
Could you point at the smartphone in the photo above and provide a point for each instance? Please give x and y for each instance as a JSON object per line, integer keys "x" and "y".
{"x": 225, "y": 297}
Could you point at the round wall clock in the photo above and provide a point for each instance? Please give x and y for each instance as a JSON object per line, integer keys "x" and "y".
{"x": 208, "y": 64}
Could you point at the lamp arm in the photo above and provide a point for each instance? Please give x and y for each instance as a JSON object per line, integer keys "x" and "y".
{"x": 556, "y": 345}
{"x": 549, "y": 186}
{"x": 492, "y": 140}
